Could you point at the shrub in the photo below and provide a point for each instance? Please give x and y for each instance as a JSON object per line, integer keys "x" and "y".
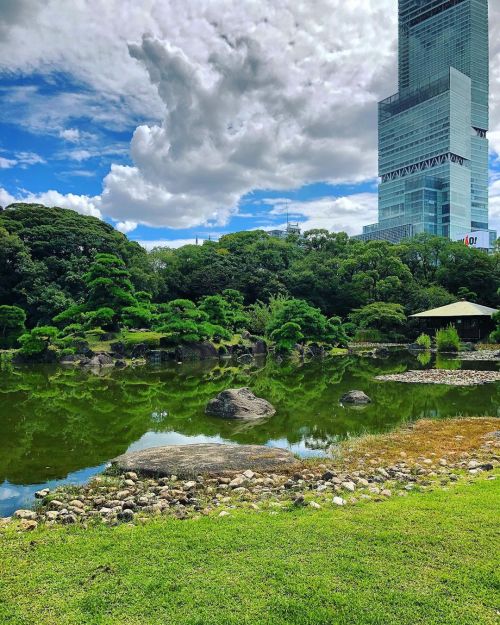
{"x": 287, "y": 336}
{"x": 312, "y": 323}
{"x": 424, "y": 340}
{"x": 101, "y": 318}
{"x": 12, "y": 320}
{"x": 495, "y": 335}
{"x": 150, "y": 339}
{"x": 447, "y": 339}
{"x": 37, "y": 342}
{"x": 136, "y": 317}
{"x": 74, "y": 329}
{"x": 387, "y": 318}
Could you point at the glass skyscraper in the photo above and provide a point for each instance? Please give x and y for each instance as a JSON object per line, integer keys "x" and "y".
{"x": 433, "y": 149}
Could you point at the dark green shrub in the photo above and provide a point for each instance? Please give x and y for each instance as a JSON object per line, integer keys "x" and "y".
{"x": 495, "y": 335}
{"x": 38, "y": 341}
{"x": 287, "y": 336}
{"x": 447, "y": 339}
{"x": 74, "y": 329}
{"x": 12, "y": 320}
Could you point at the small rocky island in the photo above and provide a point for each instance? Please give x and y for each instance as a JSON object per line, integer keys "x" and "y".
{"x": 239, "y": 403}
{"x": 443, "y": 376}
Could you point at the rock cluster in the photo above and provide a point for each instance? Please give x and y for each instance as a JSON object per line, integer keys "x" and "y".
{"x": 492, "y": 355}
{"x": 130, "y": 497}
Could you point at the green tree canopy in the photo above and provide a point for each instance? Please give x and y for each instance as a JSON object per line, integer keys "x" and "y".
{"x": 12, "y": 319}
{"x": 380, "y": 316}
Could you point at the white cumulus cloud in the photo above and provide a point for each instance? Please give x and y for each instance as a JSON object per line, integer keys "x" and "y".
{"x": 232, "y": 96}
{"x": 82, "y": 204}
{"x": 337, "y": 214}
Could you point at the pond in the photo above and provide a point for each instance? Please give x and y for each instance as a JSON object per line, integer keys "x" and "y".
{"x": 63, "y": 425}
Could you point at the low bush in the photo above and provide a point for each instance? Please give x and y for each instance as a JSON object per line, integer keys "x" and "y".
{"x": 447, "y": 339}
{"x": 424, "y": 340}
{"x": 150, "y": 339}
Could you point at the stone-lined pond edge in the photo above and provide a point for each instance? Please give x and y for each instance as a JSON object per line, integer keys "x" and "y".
{"x": 423, "y": 457}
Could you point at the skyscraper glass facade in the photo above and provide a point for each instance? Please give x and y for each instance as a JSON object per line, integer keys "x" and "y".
{"x": 433, "y": 149}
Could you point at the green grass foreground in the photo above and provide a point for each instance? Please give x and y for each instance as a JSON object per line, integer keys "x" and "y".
{"x": 428, "y": 558}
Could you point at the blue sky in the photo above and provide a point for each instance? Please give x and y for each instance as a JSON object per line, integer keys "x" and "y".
{"x": 178, "y": 120}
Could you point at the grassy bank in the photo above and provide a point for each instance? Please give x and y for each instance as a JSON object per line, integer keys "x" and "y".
{"x": 427, "y": 558}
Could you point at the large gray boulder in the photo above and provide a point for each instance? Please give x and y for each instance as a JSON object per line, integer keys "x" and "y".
{"x": 358, "y": 398}
{"x": 196, "y": 351}
{"x": 239, "y": 403}
{"x": 100, "y": 360}
{"x": 187, "y": 461}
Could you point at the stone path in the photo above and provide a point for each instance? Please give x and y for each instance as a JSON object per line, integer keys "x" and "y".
{"x": 443, "y": 376}
{"x": 213, "y": 459}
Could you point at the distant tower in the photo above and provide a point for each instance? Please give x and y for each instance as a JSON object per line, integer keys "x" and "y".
{"x": 433, "y": 148}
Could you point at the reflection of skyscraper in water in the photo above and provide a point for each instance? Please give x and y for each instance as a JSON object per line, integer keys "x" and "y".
{"x": 433, "y": 150}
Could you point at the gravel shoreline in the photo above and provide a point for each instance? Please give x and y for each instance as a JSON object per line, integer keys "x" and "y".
{"x": 129, "y": 497}
{"x": 443, "y": 376}
{"x": 489, "y": 355}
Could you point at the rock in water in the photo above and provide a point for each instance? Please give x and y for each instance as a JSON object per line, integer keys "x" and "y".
{"x": 187, "y": 461}
{"x": 239, "y": 403}
{"x": 355, "y": 397}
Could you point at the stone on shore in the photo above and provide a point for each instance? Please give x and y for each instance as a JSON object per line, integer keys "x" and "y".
{"x": 187, "y": 461}
{"x": 239, "y": 403}
{"x": 358, "y": 398}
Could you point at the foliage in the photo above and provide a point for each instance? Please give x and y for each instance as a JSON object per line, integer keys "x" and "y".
{"x": 137, "y": 316}
{"x": 495, "y": 335}
{"x": 73, "y": 329}
{"x": 336, "y": 332}
{"x": 101, "y": 318}
{"x": 381, "y": 316}
{"x": 287, "y": 336}
{"x": 108, "y": 284}
{"x": 59, "y": 266}
{"x": 45, "y": 253}
{"x": 225, "y": 310}
{"x": 183, "y": 322}
{"x": 312, "y": 323}
{"x": 12, "y": 319}
{"x": 38, "y": 341}
{"x": 425, "y": 341}
{"x": 447, "y": 339}
{"x": 368, "y": 335}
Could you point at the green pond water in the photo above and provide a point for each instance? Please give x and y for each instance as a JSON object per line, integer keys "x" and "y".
{"x": 63, "y": 425}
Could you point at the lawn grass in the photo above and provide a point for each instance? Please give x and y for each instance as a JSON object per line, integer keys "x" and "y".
{"x": 429, "y": 558}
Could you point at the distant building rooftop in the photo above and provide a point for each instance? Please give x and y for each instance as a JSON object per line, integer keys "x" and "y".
{"x": 459, "y": 309}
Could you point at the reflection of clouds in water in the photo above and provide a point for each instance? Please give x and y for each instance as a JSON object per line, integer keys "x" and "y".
{"x": 14, "y": 496}
{"x": 159, "y": 439}
{"x": 159, "y": 416}
{"x": 7, "y": 492}
{"x": 302, "y": 448}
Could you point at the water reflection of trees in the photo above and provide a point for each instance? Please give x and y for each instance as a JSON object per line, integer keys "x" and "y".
{"x": 56, "y": 421}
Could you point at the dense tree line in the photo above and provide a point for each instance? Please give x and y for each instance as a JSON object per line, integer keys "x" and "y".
{"x": 77, "y": 273}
